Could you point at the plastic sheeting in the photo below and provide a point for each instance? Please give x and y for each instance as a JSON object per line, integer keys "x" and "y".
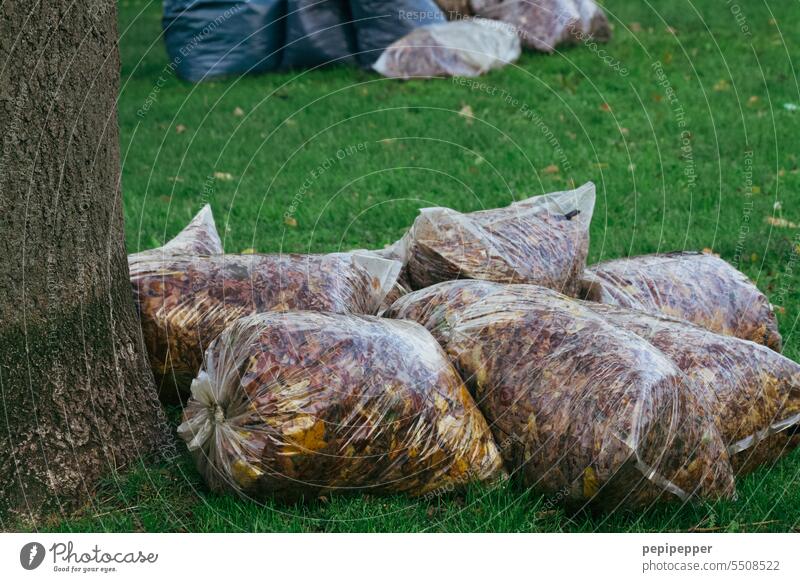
{"x": 185, "y": 302}
{"x": 578, "y": 406}
{"x": 700, "y": 288}
{"x": 464, "y": 48}
{"x": 302, "y": 404}
{"x": 318, "y": 33}
{"x": 213, "y": 38}
{"x": 381, "y": 22}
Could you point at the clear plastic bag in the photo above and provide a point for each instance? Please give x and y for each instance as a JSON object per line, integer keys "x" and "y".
{"x": 578, "y": 406}
{"x": 753, "y": 392}
{"x": 541, "y": 24}
{"x": 463, "y": 48}
{"x": 184, "y": 302}
{"x": 301, "y": 404}
{"x": 594, "y": 22}
{"x": 700, "y": 288}
{"x": 200, "y": 237}
{"x": 543, "y": 240}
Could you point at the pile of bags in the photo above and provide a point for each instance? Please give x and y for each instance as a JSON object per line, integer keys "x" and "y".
{"x": 398, "y": 38}
{"x": 476, "y": 347}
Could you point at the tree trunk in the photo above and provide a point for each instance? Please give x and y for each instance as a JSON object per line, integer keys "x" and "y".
{"x": 76, "y": 394}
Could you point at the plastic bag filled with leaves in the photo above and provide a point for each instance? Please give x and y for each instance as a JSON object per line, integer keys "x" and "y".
{"x": 578, "y": 406}
{"x": 542, "y": 25}
{"x": 698, "y": 287}
{"x": 200, "y": 237}
{"x": 302, "y": 404}
{"x": 184, "y": 302}
{"x": 463, "y": 48}
{"x": 753, "y": 392}
{"x": 543, "y": 240}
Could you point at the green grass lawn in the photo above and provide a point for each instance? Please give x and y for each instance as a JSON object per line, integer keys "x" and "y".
{"x": 689, "y": 140}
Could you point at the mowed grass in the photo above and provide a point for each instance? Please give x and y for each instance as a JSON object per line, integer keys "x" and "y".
{"x": 693, "y": 146}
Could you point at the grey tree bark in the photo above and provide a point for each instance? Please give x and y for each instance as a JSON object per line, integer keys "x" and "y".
{"x": 77, "y": 399}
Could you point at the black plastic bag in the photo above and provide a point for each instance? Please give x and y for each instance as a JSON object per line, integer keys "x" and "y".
{"x": 319, "y": 33}
{"x": 207, "y": 39}
{"x": 381, "y": 22}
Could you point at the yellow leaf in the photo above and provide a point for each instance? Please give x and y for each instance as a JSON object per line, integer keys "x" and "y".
{"x": 466, "y": 112}
{"x": 290, "y": 221}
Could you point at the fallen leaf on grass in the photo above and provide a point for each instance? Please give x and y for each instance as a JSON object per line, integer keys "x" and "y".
{"x": 722, "y": 85}
{"x": 551, "y": 169}
{"x": 605, "y": 107}
{"x": 780, "y": 222}
{"x": 466, "y": 112}
{"x": 290, "y": 221}
{"x": 238, "y": 112}
{"x": 180, "y": 128}
{"x": 224, "y": 176}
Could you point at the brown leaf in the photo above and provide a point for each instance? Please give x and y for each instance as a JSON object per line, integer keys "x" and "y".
{"x": 466, "y": 112}
{"x": 290, "y": 221}
{"x": 551, "y": 169}
{"x": 238, "y": 112}
{"x": 180, "y": 128}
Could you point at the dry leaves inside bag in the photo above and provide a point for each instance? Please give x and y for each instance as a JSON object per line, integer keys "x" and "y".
{"x": 700, "y": 288}
{"x": 301, "y": 404}
{"x": 184, "y": 302}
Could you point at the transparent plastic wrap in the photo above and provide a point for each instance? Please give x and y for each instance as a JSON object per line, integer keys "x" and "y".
{"x": 579, "y": 407}
{"x": 463, "y": 48}
{"x": 700, "y": 288}
{"x": 540, "y": 24}
{"x": 302, "y": 404}
{"x": 753, "y": 392}
{"x": 200, "y": 237}
{"x": 543, "y": 240}
{"x": 184, "y": 302}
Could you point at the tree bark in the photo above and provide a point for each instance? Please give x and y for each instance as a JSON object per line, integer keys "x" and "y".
{"x": 77, "y": 398}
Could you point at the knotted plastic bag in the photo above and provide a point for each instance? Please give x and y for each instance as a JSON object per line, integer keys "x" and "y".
{"x": 700, "y": 288}
{"x": 578, "y": 406}
{"x": 543, "y": 240}
{"x": 302, "y": 404}
{"x": 200, "y": 237}
{"x": 184, "y": 302}
{"x": 463, "y": 48}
